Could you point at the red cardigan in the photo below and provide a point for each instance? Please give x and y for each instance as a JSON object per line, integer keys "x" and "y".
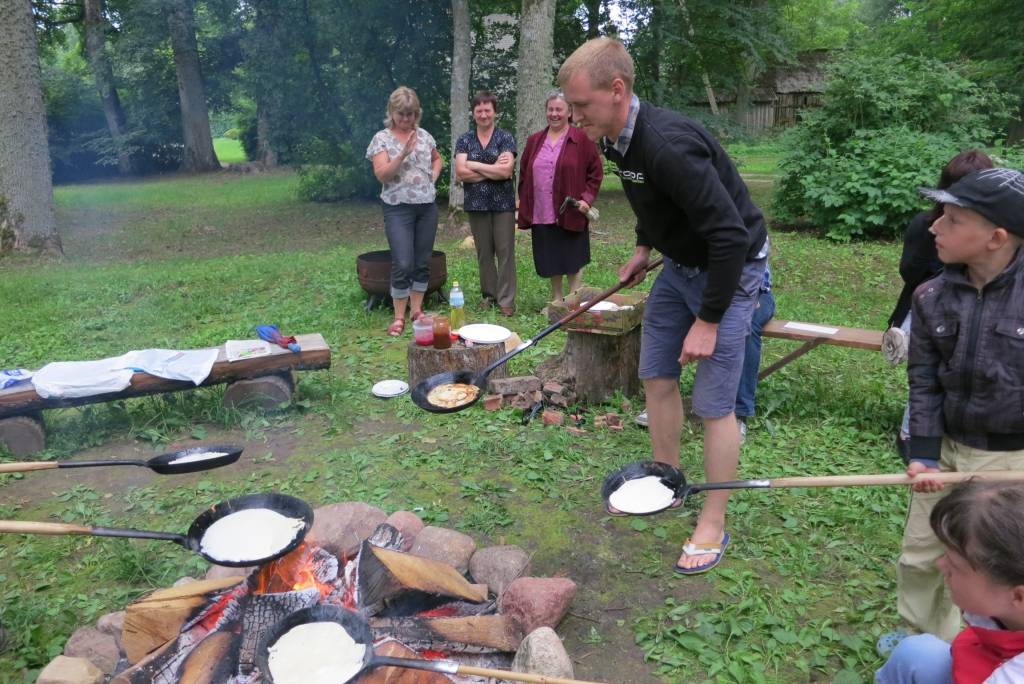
{"x": 578, "y": 174}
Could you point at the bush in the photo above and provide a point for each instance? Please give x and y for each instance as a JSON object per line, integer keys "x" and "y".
{"x": 231, "y": 134}
{"x": 247, "y": 134}
{"x": 888, "y": 125}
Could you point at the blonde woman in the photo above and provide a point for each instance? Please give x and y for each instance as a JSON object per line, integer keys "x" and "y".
{"x": 406, "y": 162}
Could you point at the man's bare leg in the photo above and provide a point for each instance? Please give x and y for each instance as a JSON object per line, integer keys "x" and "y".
{"x": 664, "y": 418}
{"x": 721, "y": 456}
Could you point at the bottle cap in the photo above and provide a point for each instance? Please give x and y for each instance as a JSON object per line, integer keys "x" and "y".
{"x": 455, "y": 283}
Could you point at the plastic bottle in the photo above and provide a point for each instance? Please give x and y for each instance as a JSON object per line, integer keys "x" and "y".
{"x": 457, "y": 300}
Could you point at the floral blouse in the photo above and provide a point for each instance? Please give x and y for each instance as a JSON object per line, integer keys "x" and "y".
{"x": 488, "y": 195}
{"x": 414, "y": 183}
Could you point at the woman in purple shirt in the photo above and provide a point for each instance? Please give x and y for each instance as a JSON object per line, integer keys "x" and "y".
{"x": 558, "y": 162}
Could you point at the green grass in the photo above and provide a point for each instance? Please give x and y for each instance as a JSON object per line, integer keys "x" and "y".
{"x": 229, "y": 151}
{"x": 190, "y": 261}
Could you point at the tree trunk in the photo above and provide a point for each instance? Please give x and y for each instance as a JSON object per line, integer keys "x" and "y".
{"x": 658, "y": 35}
{"x": 95, "y": 41}
{"x": 268, "y": 17}
{"x": 700, "y": 59}
{"x": 195, "y": 117}
{"x": 593, "y": 18}
{"x": 26, "y": 185}
{"x": 536, "y": 57}
{"x": 462, "y": 59}
{"x": 265, "y": 152}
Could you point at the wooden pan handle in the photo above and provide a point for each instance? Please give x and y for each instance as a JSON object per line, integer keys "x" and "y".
{"x": 28, "y": 527}
{"x": 26, "y": 466}
{"x": 518, "y": 676}
{"x": 897, "y": 479}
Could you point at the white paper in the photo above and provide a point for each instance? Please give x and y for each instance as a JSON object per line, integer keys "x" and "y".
{"x": 236, "y": 350}
{"x": 807, "y": 327}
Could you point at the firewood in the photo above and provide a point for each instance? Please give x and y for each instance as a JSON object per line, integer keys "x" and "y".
{"x": 491, "y": 631}
{"x": 384, "y": 573}
{"x": 210, "y": 661}
{"x": 157, "y": 618}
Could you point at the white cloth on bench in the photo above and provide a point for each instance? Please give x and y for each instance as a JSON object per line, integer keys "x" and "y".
{"x": 103, "y": 376}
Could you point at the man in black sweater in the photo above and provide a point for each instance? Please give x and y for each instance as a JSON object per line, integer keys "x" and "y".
{"x": 692, "y": 206}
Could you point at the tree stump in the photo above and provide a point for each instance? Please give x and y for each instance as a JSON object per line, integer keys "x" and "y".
{"x": 23, "y": 435}
{"x": 596, "y": 366}
{"x": 265, "y": 393}
{"x": 427, "y": 361}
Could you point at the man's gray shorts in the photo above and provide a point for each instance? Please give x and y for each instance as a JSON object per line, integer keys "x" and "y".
{"x": 669, "y": 312}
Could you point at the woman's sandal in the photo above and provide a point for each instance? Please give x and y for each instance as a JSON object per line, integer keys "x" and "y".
{"x": 397, "y": 327}
{"x": 415, "y": 316}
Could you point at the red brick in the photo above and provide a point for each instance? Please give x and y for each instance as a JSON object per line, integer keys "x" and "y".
{"x": 492, "y": 402}
{"x": 553, "y": 388}
{"x": 551, "y": 417}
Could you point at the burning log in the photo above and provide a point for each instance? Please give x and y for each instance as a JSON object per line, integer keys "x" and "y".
{"x": 210, "y": 662}
{"x": 155, "y": 619}
{"x": 489, "y": 631}
{"x": 384, "y": 573}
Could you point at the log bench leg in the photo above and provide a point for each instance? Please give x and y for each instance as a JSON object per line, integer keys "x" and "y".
{"x": 23, "y": 435}
{"x": 264, "y": 393}
{"x": 792, "y": 356}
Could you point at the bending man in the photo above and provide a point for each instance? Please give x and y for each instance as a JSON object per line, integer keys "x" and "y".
{"x": 692, "y": 206}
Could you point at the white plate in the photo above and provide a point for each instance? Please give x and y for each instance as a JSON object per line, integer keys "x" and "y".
{"x": 385, "y": 389}
{"x": 484, "y": 333}
{"x": 604, "y": 305}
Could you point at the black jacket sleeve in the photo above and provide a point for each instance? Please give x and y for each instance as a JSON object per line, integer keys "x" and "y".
{"x": 684, "y": 170}
{"x": 926, "y": 392}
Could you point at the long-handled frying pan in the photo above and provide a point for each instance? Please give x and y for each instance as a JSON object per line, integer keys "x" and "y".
{"x": 359, "y": 629}
{"x": 288, "y": 506}
{"x": 673, "y": 479}
{"x": 479, "y": 378}
{"x": 189, "y": 460}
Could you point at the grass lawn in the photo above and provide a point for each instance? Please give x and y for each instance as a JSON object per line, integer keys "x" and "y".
{"x": 228, "y": 151}
{"x": 807, "y": 584}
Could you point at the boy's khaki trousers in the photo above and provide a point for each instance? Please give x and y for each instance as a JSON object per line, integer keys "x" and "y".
{"x": 921, "y": 591}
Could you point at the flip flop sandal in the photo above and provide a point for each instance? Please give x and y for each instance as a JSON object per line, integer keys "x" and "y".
{"x": 396, "y": 328}
{"x": 691, "y": 549}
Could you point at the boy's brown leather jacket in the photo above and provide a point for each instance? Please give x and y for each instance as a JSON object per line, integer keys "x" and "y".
{"x": 966, "y": 362}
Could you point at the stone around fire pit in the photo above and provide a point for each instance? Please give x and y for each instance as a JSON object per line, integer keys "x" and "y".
{"x": 498, "y": 566}
{"x": 112, "y": 624}
{"x": 447, "y": 546}
{"x": 65, "y": 670}
{"x": 93, "y": 645}
{"x": 341, "y": 528}
{"x": 408, "y": 524}
{"x": 534, "y": 602}
{"x": 543, "y": 653}
{"x": 221, "y": 571}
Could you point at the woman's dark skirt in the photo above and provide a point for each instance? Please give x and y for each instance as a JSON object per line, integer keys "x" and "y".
{"x": 557, "y": 251}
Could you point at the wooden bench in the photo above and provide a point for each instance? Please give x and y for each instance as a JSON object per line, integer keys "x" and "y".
{"x": 264, "y": 380}
{"x": 813, "y": 334}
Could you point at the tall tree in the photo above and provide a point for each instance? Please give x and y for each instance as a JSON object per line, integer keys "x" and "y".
{"x": 536, "y": 64}
{"x": 462, "y": 59}
{"x": 95, "y": 50}
{"x": 195, "y": 116}
{"x": 593, "y": 18}
{"x": 26, "y": 188}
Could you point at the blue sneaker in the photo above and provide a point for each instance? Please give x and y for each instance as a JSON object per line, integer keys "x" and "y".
{"x": 889, "y": 641}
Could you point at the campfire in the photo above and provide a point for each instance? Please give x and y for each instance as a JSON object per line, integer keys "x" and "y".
{"x": 214, "y": 630}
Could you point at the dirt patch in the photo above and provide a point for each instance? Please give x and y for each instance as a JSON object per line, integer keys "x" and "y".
{"x": 40, "y": 486}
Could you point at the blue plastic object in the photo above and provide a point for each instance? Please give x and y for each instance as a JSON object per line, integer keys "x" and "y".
{"x": 271, "y": 334}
